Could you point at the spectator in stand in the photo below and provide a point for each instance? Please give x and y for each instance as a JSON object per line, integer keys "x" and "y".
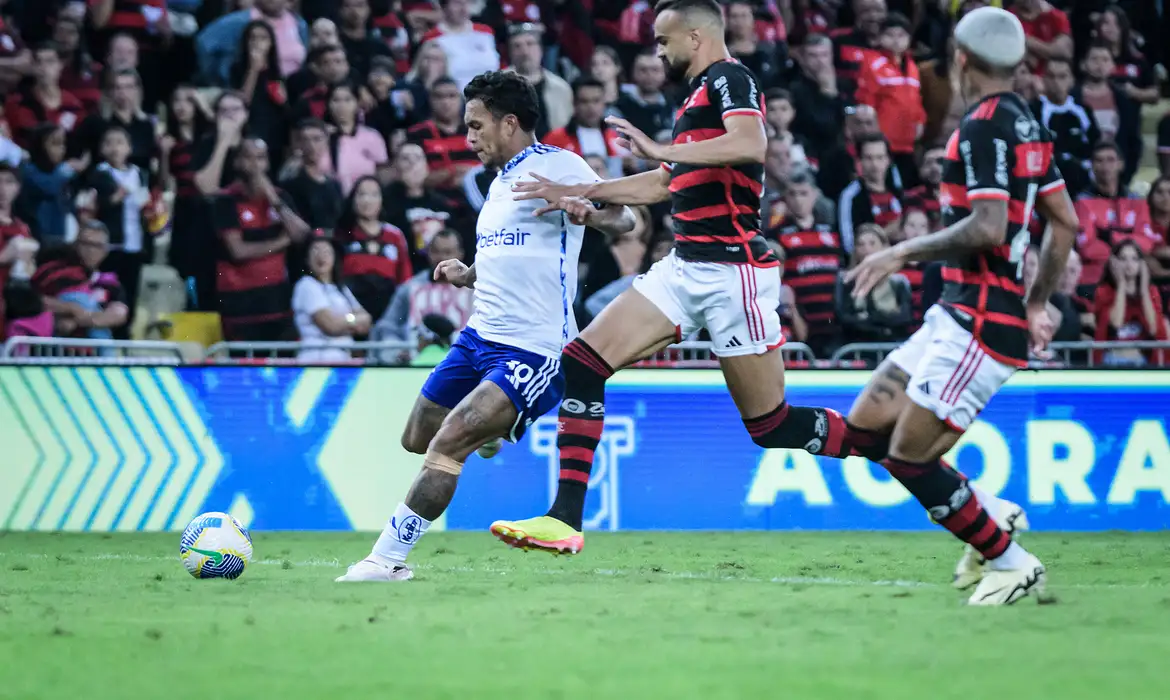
{"x": 85, "y": 302}
{"x": 322, "y": 33}
{"x": 42, "y": 100}
{"x": 889, "y": 83}
{"x": 145, "y": 22}
{"x": 606, "y": 68}
{"x": 556, "y": 97}
{"x": 325, "y": 311}
{"x": 915, "y": 223}
{"x": 837, "y": 168}
{"x": 1164, "y": 145}
{"x": 1049, "y": 34}
{"x": 121, "y": 107}
{"x": 470, "y": 47}
{"x": 858, "y": 45}
{"x": 1158, "y": 205}
{"x": 46, "y": 196}
{"x": 393, "y": 109}
{"x": 255, "y": 224}
{"x": 1131, "y": 69}
{"x": 586, "y": 134}
{"x": 121, "y": 53}
{"x": 747, "y": 47}
{"x": 329, "y": 66}
{"x": 361, "y": 42}
{"x": 1109, "y": 213}
{"x": 256, "y": 75}
{"x": 443, "y": 137}
{"x": 15, "y": 60}
{"x": 421, "y": 296}
{"x": 1027, "y": 84}
{"x": 1118, "y": 117}
{"x": 924, "y": 197}
{"x": 191, "y": 249}
{"x": 811, "y": 249}
{"x": 1128, "y": 307}
{"x": 80, "y": 74}
{"x": 218, "y": 43}
{"x": 315, "y": 193}
{"x": 779, "y": 114}
{"x": 659, "y": 247}
{"x": 1070, "y": 287}
{"x": 886, "y": 314}
{"x": 869, "y": 199}
{"x": 215, "y": 154}
{"x": 819, "y": 105}
{"x": 412, "y": 207}
{"x": 377, "y": 258}
{"x": 1074, "y": 130}
{"x": 17, "y": 246}
{"x": 777, "y": 171}
{"x": 430, "y": 65}
{"x": 120, "y": 193}
{"x": 355, "y": 150}
{"x": 1061, "y": 308}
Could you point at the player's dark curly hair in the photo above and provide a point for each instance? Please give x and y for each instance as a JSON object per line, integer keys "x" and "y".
{"x": 503, "y": 93}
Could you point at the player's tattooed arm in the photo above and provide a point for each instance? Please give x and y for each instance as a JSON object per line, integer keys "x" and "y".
{"x": 984, "y": 228}
{"x": 1058, "y": 209}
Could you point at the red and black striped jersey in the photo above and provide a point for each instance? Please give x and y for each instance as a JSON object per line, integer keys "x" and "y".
{"x": 254, "y": 294}
{"x": 716, "y": 209}
{"x": 999, "y": 152}
{"x": 913, "y": 274}
{"x": 445, "y": 151}
{"x": 384, "y": 254}
{"x": 182, "y": 166}
{"x": 813, "y": 257}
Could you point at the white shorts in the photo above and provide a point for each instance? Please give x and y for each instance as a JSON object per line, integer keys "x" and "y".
{"x": 735, "y": 303}
{"x": 950, "y": 374}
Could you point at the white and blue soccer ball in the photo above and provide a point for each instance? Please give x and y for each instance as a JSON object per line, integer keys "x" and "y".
{"x": 215, "y": 545}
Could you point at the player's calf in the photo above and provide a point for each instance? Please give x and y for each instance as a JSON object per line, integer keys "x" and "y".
{"x": 820, "y": 431}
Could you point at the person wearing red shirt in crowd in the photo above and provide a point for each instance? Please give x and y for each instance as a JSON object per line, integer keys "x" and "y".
{"x": 255, "y": 225}
{"x": 81, "y": 74}
{"x": 377, "y": 257}
{"x": 915, "y": 223}
{"x": 869, "y": 199}
{"x": 858, "y": 45}
{"x": 1109, "y": 214}
{"x": 329, "y": 66}
{"x": 586, "y": 134}
{"x": 1128, "y": 307}
{"x": 43, "y": 100}
{"x": 1158, "y": 202}
{"x": 812, "y": 253}
{"x": 1130, "y": 68}
{"x": 443, "y": 137}
{"x": 1048, "y": 32}
{"x": 924, "y": 197}
{"x": 147, "y": 22}
{"x": 889, "y": 83}
{"x": 17, "y": 246}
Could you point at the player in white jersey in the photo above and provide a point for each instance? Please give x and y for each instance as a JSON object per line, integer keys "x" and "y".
{"x": 504, "y": 370}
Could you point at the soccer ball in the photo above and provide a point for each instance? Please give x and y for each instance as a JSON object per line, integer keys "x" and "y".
{"x": 215, "y": 545}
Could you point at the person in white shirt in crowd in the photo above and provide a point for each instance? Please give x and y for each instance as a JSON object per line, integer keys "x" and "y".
{"x": 325, "y": 312}
{"x": 556, "y": 96}
{"x": 470, "y": 47}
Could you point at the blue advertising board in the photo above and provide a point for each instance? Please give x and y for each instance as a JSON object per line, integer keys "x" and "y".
{"x": 115, "y": 449}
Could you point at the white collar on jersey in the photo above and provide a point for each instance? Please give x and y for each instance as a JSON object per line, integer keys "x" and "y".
{"x": 537, "y": 147}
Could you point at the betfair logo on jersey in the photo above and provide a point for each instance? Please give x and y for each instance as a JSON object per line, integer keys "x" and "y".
{"x": 501, "y": 237}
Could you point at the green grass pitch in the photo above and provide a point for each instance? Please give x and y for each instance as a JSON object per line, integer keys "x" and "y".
{"x": 636, "y": 616}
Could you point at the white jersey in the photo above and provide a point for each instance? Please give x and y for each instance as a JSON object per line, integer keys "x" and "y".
{"x": 526, "y": 266}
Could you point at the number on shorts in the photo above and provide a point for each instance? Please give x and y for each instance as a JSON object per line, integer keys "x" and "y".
{"x": 1024, "y": 237}
{"x": 519, "y": 373}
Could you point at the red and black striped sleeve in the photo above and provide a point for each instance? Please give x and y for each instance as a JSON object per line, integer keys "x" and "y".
{"x": 985, "y": 153}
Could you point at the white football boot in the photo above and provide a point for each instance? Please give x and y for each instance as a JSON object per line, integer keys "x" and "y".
{"x": 971, "y": 568}
{"x": 490, "y": 449}
{"x": 370, "y": 570}
{"x": 1004, "y": 587}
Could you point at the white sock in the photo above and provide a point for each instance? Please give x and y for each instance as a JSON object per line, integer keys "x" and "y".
{"x": 992, "y": 504}
{"x": 401, "y": 533}
{"x": 1014, "y": 557}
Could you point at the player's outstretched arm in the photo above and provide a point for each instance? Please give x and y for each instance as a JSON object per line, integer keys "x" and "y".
{"x": 1058, "y": 209}
{"x": 611, "y": 220}
{"x": 745, "y": 143}
{"x": 649, "y": 187}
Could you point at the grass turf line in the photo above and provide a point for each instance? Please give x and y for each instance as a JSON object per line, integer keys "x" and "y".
{"x": 637, "y": 615}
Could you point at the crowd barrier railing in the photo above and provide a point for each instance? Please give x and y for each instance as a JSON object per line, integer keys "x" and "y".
{"x": 684, "y": 355}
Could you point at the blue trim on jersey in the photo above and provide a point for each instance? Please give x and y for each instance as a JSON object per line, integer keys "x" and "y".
{"x": 537, "y": 148}
{"x": 564, "y": 287}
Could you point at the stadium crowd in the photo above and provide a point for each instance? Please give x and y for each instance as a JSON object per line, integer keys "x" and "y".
{"x": 303, "y": 165}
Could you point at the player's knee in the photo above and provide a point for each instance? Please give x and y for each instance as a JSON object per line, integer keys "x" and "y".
{"x": 583, "y": 365}
{"x": 414, "y": 443}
